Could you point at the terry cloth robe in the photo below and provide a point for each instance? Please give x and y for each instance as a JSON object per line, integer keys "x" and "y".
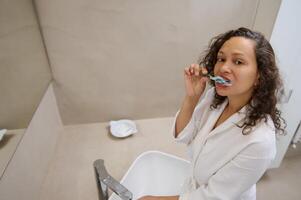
{"x": 225, "y": 164}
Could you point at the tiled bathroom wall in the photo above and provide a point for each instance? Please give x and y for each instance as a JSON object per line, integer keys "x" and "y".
{"x": 24, "y": 71}
{"x": 117, "y": 59}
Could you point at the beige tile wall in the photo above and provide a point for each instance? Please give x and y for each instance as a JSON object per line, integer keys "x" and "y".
{"x": 24, "y": 69}
{"x": 27, "y": 170}
{"x": 124, "y": 59}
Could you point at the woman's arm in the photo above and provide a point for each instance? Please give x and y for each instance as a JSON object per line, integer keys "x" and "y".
{"x": 195, "y": 85}
{"x": 185, "y": 114}
{"x": 185, "y": 126}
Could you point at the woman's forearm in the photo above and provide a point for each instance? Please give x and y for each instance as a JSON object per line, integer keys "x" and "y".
{"x": 169, "y": 198}
{"x": 185, "y": 113}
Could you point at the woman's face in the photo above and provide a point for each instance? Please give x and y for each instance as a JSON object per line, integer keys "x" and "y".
{"x": 236, "y": 61}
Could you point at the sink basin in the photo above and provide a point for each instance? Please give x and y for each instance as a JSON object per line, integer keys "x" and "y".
{"x": 155, "y": 173}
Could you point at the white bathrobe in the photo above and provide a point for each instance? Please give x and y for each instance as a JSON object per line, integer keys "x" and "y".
{"x": 225, "y": 164}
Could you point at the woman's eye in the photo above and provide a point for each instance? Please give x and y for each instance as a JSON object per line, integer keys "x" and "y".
{"x": 238, "y": 62}
{"x": 220, "y": 60}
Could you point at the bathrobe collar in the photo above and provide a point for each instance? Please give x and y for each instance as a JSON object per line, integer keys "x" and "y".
{"x": 233, "y": 120}
{"x": 229, "y": 123}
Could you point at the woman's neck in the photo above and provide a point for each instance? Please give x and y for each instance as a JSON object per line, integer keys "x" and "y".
{"x": 237, "y": 102}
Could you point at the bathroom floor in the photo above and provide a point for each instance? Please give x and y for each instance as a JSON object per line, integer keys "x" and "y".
{"x": 71, "y": 173}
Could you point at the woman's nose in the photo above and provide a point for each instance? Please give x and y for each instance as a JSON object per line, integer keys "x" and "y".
{"x": 225, "y": 68}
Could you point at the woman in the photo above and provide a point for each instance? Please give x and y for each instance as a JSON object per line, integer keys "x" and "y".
{"x": 230, "y": 130}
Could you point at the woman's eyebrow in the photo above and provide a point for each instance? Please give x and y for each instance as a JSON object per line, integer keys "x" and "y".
{"x": 239, "y": 54}
{"x": 235, "y": 53}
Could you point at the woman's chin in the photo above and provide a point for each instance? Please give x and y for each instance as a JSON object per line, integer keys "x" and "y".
{"x": 222, "y": 90}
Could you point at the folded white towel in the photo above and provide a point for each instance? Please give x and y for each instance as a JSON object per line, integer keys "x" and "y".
{"x": 122, "y": 128}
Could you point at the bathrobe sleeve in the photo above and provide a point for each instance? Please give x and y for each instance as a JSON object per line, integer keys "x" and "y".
{"x": 238, "y": 175}
{"x": 190, "y": 130}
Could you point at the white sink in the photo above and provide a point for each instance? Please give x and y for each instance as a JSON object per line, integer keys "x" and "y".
{"x": 155, "y": 173}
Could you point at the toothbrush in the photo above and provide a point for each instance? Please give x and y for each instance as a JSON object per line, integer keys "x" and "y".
{"x": 220, "y": 80}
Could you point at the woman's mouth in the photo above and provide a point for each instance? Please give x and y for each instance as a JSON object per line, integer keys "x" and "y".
{"x": 222, "y": 86}
{"x": 223, "y": 81}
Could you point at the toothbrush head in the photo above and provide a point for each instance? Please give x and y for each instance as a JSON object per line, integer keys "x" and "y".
{"x": 220, "y": 80}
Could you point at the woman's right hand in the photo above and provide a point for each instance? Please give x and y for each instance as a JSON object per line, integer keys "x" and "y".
{"x": 195, "y": 82}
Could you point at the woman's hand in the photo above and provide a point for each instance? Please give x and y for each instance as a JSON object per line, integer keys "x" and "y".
{"x": 195, "y": 82}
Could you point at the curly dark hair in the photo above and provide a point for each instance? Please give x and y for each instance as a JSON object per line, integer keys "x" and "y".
{"x": 264, "y": 97}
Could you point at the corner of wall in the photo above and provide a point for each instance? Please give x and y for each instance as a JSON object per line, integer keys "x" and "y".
{"x": 265, "y": 16}
{"x": 32, "y": 158}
